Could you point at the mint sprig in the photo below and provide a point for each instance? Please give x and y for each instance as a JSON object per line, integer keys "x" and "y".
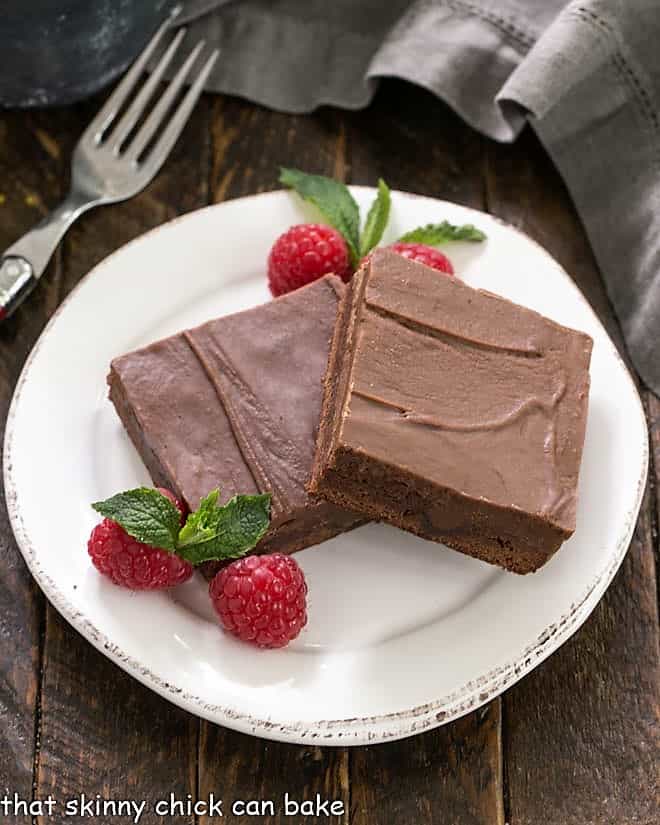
{"x": 435, "y": 234}
{"x": 333, "y": 200}
{"x": 212, "y": 532}
{"x": 377, "y": 218}
{"x": 339, "y": 208}
{"x": 230, "y": 531}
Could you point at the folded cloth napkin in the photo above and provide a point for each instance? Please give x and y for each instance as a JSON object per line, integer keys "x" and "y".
{"x": 585, "y": 75}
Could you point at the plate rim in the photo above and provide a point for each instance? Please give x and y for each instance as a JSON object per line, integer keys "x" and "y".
{"x": 361, "y": 730}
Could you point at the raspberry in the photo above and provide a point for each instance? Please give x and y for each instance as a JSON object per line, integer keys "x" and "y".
{"x": 130, "y": 563}
{"x": 424, "y": 254}
{"x": 261, "y": 599}
{"x": 305, "y": 253}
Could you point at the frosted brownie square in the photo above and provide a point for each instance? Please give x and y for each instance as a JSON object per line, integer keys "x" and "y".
{"x": 454, "y": 414}
{"x": 235, "y": 404}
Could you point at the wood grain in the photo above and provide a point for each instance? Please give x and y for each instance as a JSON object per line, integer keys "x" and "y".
{"x": 453, "y": 774}
{"x": 581, "y": 731}
{"x": 30, "y": 183}
{"x": 249, "y": 146}
{"x": 101, "y": 731}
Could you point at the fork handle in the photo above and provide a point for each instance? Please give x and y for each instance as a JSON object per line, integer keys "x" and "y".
{"x": 24, "y": 262}
{"x": 16, "y": 282}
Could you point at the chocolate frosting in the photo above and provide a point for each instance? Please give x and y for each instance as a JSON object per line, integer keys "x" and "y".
{"x": 467, "y": 390}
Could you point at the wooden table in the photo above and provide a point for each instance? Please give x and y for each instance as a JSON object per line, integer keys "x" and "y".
{"x": 575, "y": 742}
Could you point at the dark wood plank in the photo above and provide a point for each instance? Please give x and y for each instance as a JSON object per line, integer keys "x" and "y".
{"x": 101, "y": 731}
{"x": 652, "y": 404}
{"x": 582, "y": 734}
{"x": 249, "y": 145}
{"x": 252, "y": 771}
{"x": 418, "y": 144}
{"x": 449, "y": 775}
{"x": 104, "y": 733}
{"x": 452, "y": 774}
{"x": 30, "y": 183}
{"x": 581, "y": 731}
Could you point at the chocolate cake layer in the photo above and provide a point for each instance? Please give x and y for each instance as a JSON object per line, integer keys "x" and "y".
{"x": 454, "y": 414}
{"x": 235, "y": 404}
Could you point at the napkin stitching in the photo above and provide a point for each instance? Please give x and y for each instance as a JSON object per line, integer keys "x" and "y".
{"x": 508, "y": 27}
{"x": 626, "y": 72}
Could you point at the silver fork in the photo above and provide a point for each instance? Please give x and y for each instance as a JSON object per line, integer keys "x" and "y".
{"x": 108, "y": 164}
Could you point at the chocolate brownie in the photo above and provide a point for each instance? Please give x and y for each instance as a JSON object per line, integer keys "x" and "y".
{"x": 454, "y": 414}
{"x": 235, "y": 404}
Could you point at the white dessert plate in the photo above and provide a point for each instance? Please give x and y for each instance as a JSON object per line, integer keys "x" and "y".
{"x": 403, "y": 634}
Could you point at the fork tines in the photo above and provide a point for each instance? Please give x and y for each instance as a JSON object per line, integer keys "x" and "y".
{"x": 118, "y": 137}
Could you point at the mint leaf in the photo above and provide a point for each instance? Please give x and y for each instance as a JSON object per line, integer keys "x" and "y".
{"x": 201, "y": 525}
{"x": 333, "y": 200}
{"x": 243, "y": 521}
{"x": 435, "y": 234}
{"x": 377, "y": 219}
{"x": 237, "y": 527}
{"x": 145, "y": 514}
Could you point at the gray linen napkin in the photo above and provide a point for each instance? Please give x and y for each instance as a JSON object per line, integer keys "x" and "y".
{"x": 586, "y": 75}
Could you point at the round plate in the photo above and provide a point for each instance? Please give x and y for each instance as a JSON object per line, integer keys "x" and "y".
{"x": 403, "y": 634}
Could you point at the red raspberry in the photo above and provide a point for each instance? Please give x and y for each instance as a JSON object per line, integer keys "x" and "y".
{"x": 305, "y": 253}
{"x": 261, "y": 599}
{"x": 424, "y": 254}
{"x": 130, "y": 563}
